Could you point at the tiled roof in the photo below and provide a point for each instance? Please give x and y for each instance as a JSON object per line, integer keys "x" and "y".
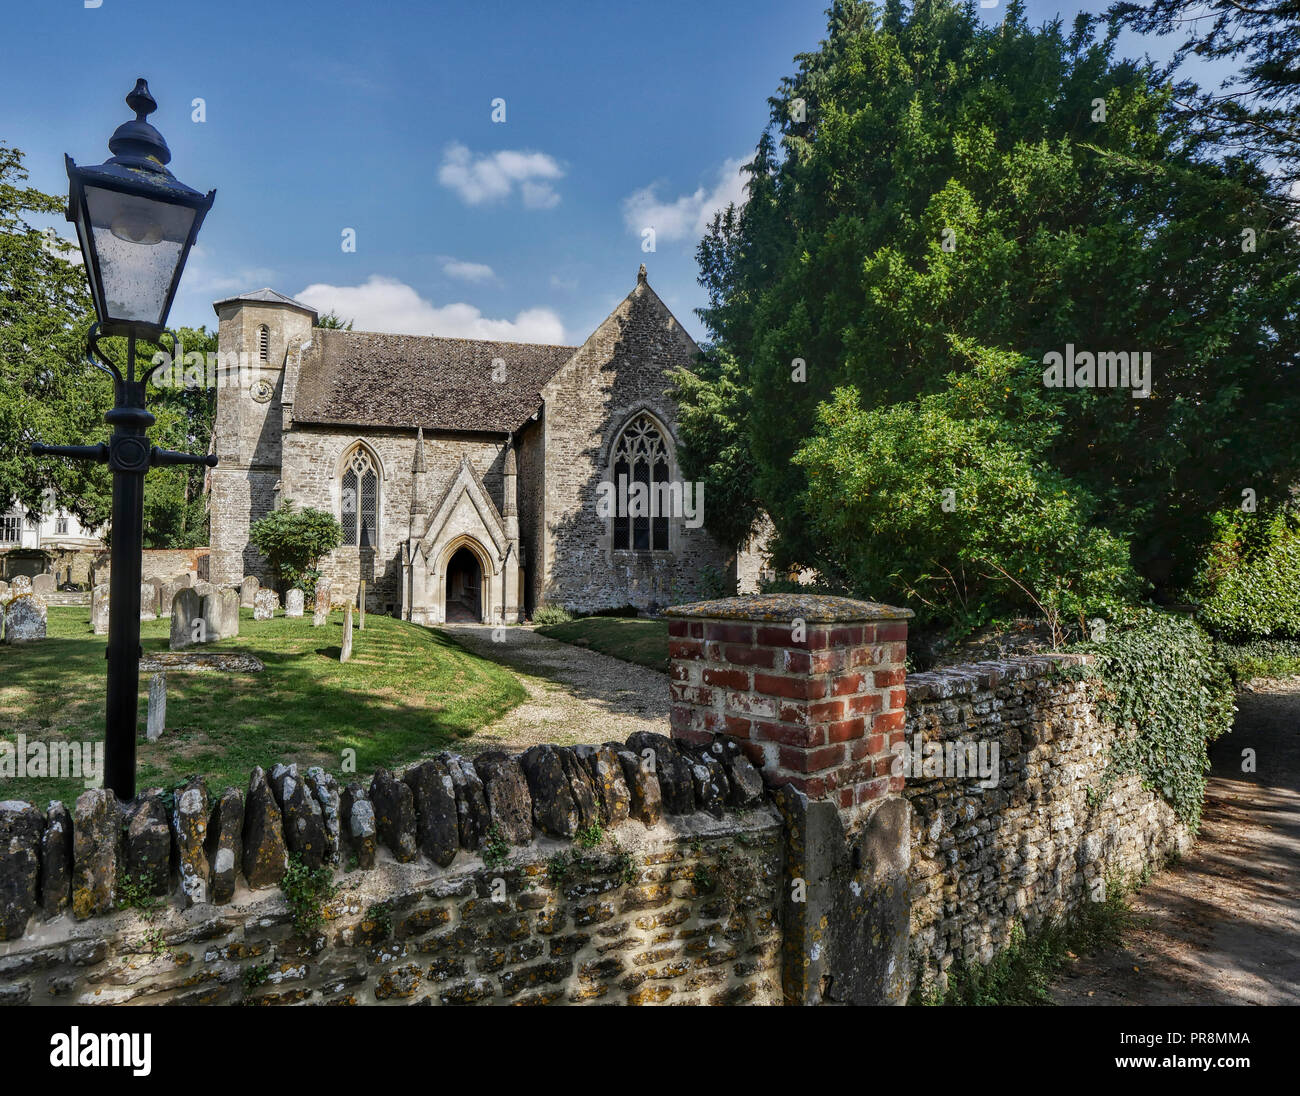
{"x": 265, "y": 296}
{"x": 362, "y": 378}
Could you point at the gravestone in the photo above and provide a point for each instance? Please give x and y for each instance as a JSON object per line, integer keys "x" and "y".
{"x": 169, "y": 590}
{"x": 265, "y": 604}
{"x": 346, "y": 653}
{"x": 148, "y": 601}
{"x": 361, "y": 601}
{"x": 4, "y": 589}
{"x": 248, "y": 592}
{"x": 221, "y": 611}
{"x": 21, "y": 585}
{"x": 25, "y": 619}
{"x": 321, "y": 614}
{"x": 188, "y": 625}
{"x": 99, "y": 610}
{"x": 293, "y": 603}
{"x": 157, "y": 707}
{"x": 43, "y": 585}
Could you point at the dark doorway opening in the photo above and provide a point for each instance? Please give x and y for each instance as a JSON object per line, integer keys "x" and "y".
{"x": 464, "y": 588}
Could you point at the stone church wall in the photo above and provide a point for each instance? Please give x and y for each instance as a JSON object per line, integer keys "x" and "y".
{"x": 619, "y": 371}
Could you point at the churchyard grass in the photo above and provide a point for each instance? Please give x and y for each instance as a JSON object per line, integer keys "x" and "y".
{"x": 406, "y": 692}
{"x": 632, "y": 639}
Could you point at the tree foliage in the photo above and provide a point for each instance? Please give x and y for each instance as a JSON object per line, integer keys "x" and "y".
{"x": 951, "y": 188}
{"x": 293, "y": 541}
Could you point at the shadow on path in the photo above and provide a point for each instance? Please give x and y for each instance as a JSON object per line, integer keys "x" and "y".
{"x": 1223, "y": 926}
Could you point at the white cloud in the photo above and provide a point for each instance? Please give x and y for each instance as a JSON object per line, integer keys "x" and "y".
{"x": 494, "y": 176}
{"x": 467, "y": 272}
{"x": 688, "y": 216}
{"x": 385, "y": 304}
{"x": 203, "y": 276}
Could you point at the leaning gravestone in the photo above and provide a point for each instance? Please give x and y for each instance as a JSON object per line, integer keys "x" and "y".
{"x": 148, "y": 601}
{"x": 43, "y": 585}
{"x": 265, "y": 605}
{"x": 25, "y": 619}
{"x": 157, "y": 707}
{"x": 248, "y": 592}
{"x": 99, "y": 610}
{"x": 293, "y": 602}
{"x": 321, "y": 613}
{"x": 346, "y": 652}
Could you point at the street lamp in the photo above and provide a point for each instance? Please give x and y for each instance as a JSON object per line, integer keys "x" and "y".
{"x": 136, "y": 223}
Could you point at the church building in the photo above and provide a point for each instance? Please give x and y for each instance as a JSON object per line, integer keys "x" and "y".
{"x": 467, "y": 474}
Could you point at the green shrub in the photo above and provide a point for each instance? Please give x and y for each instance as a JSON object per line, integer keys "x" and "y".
{"x": 551, "y": 614}
{"x": 1263, "y": 658}
{"x": 1168, "y": 696}
{"x": 306, "y": 891}
{"x": 1249, "y": 584}
{"x": 293, "y": 541}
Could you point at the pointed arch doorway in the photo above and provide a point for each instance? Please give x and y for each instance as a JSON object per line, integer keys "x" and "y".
{"x": 465, "y": 584}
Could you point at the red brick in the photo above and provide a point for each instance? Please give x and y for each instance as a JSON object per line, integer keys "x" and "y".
{"x": 748, "y": 656}
{"x": 726, "y": 679}
{"x": 873, "y": 789}
{"x": 877, "y": 744}
{"x": 845, "y": 730}
{"x": 896, "y": 783}
{"x": 679, "y": 671}
{"x": 690, "y": 694}
{"x": 751, "y": 704}
{"x": 692, "y": 738}
{"x": 795, "y": 662}
{"x": 772, "y": 636}
{"x": 826, "y": 710}
{"x": 729, "y": 633}
{"x": 845, "y": 684}
{"x": 677, "y": 628}
{"x": 794, "y": 713}
{"x": 685, "y": 648}
{"x": 889, "y": 721}
{"x": 864, "y": 704}
{"x": 831, "y": 661}
{"x": 898, "y": 697}
{"x": 893, "y": 632}
{"x": 811, "y": 760}
{"x": 697, "y": 629}
{"x": 846, "y": 636}
{"x": 796, "y": 688}
{"x": 788, "y": 735}
{"x": 846, "y": 798}
{"x": 736, "y": 726}
{"x": 885, "y": 678}
{"x": 814, "y": 787}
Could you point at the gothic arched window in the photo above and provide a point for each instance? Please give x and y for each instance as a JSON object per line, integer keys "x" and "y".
{"x": 640, "y": 456}
{"x": 360, "y": 498}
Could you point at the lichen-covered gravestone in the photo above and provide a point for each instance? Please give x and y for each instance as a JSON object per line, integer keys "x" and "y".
{"x": 25, "y": 619}
{"x": 248, "y": 592}
{"x": 148, "y": 601}
{"x": 21, "y": 585}
{"x": 321, "y": 613}
{"x": 346, "y": 652}
{"x": 188, "y": 625}
{"x": 265, "y": 603}
{"x": 99, "y": 610}
{"x": 157, "y": 707}
{"x": 43, "y": 585}
{"x": 293, "y": 602}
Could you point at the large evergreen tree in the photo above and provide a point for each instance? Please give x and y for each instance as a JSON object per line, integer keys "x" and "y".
{"x": 951, "y": 190}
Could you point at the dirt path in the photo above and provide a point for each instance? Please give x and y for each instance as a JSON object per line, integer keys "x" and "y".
{"x": 574, "y": 695}
{"x": 1223, "y": 926}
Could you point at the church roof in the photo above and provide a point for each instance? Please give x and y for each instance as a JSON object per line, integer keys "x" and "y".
{"x": 363, "y": 378}
{"x": 265, "y": 296}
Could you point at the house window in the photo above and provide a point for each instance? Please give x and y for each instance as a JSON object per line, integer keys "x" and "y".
{"x": 61, "y": 525}
{"x": 11, "y": 528}
{"x": 360, "y": 498}
{"x": 263, "y": 343}
{"x": 640, "y": 456}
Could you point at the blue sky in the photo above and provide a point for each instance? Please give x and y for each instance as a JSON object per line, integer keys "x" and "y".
{"x": 377, "y": 117}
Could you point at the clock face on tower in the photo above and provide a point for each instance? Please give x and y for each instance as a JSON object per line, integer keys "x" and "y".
{"x": 262, "y": 391}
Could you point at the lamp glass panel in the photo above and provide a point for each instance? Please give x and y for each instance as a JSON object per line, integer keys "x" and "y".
{"x": 139, "y": 242}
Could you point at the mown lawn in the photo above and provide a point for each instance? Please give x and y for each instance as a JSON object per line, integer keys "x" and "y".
{"x": 407, "y": 691}
{"x": 632, "y": 639}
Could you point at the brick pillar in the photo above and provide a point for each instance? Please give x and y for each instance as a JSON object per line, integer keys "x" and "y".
{"x": 813, "y": 689}
{"x": 811, "y": 686}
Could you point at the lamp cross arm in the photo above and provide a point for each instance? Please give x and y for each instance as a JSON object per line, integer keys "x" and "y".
{"x": 170, "y": 456}
{"x": 76, "y": 452}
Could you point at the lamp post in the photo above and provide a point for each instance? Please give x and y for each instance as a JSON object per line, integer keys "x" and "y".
{"x": 136, "y": 223}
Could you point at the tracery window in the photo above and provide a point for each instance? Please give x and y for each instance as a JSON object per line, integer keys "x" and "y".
{"x": 640, "y": 456}
{"x": 360, "y": 498}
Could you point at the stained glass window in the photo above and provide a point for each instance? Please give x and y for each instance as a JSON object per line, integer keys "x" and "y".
{"x": 360, "y": 500}
{"x": 640, "y": 456}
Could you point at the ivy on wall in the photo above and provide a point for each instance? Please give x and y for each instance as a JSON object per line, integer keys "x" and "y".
{"x": 1169, "y": 697}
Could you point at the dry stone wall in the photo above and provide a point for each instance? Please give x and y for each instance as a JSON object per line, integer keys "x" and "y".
{"x": 1038, "y": 842}
{"x": 457, "y": 883}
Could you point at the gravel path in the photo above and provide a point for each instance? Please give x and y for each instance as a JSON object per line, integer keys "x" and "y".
{"x": 574, "y": 695}
{"x": 1223, "y": 926}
